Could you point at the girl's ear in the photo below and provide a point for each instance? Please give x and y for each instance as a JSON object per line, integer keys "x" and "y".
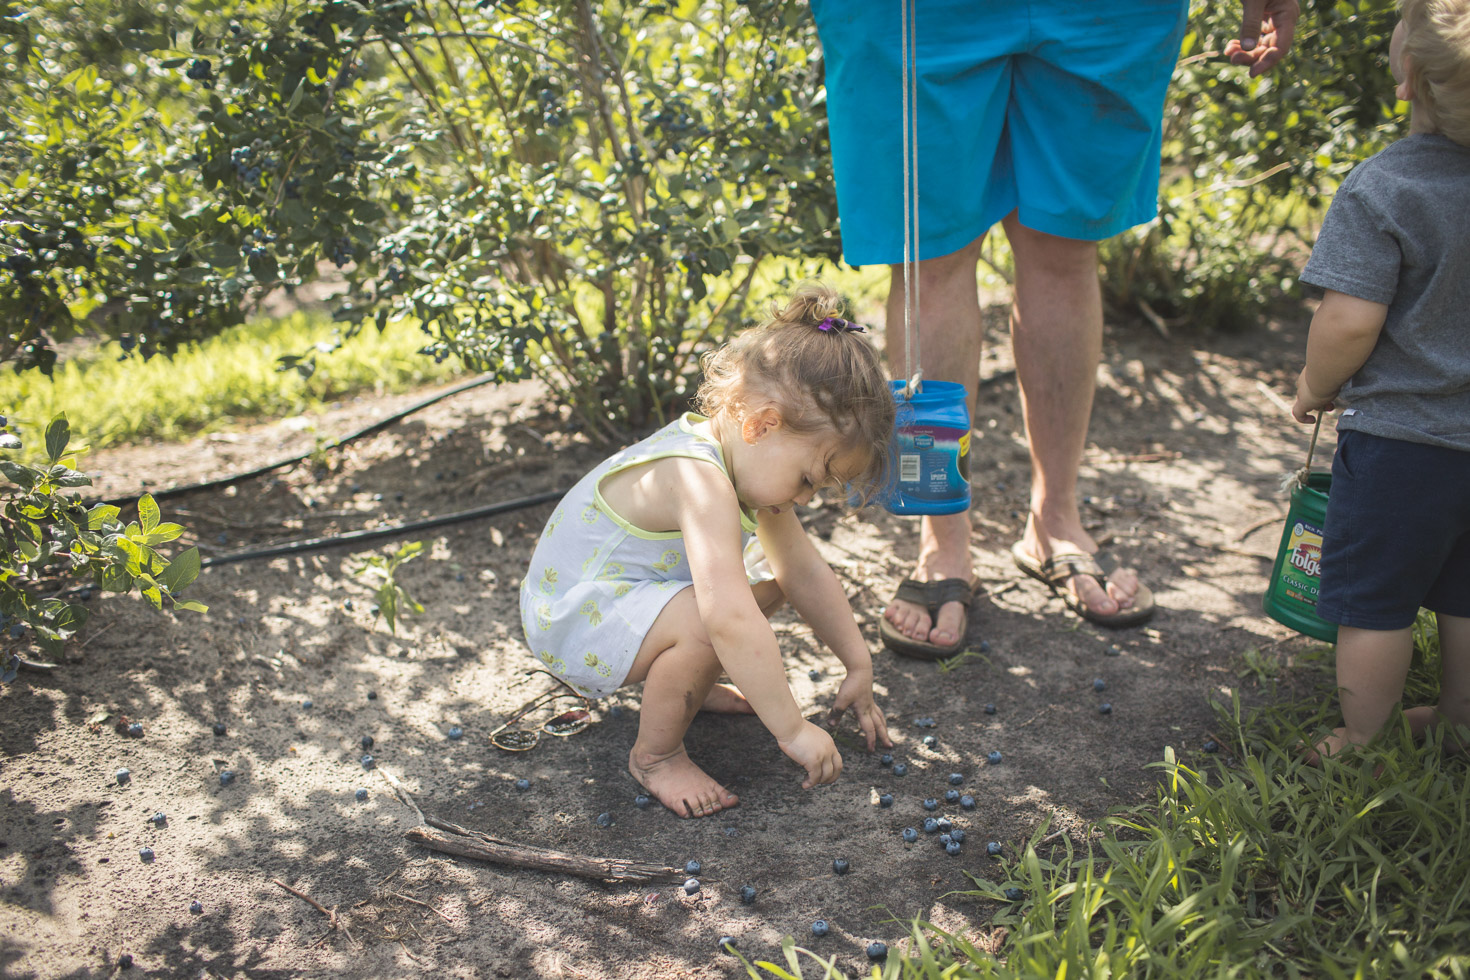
{"x": 1404, "y": 90}
{"x": 756, "y": 424}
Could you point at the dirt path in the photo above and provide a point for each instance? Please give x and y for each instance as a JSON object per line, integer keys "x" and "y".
{"x": 1182, "y": 471}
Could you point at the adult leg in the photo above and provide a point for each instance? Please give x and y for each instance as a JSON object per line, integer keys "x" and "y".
{"x": 1056, "y": 333}
{"x": 949, "y": 348}
{"x": 1371, "y": 667}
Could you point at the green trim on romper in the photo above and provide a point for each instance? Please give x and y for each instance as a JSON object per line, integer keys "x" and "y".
{"x": 747, "y": 518}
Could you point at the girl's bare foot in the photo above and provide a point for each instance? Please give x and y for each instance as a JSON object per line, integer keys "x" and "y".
{"x": 679, "y": 784}
{"x": 726, "y": 699}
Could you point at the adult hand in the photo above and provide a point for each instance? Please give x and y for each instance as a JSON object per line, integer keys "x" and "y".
{"x": 1266, "y": 30}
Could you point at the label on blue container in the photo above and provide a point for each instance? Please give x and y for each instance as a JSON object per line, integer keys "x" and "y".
{"x": 933, "y": 463}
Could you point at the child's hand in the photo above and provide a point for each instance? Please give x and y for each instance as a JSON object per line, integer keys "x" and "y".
{"x": 813, "y": 750}
{"x": 856, "y": 693}
{"x": 1307, "y": 401}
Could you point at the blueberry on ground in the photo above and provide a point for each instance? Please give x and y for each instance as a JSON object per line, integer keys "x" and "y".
{"x": 692, "y": 867}
{"x": 877, "y": 951}
{"x": 158, "y": 819}
{"x": 1211, "y": 745}
{"x": 123, "y": 777}
{"x": 900, "y": 769}
{"x": 136, "y": 729}
{"x": 616, "y": 711}
{"x": 944, "y": 840}
{"x": 931, "y": 804}
{"x": 226, "y": 777}
{"x": 604, "y": 820}
{"x": 990, "y": 709}
{"x": 306, "y": 703}
{"x": 994, "y": 757}
{"x": 125, "y": 961}
{"x": 958, "y": 834}
{"x": 641, "y": 801}
{"x": 814, "y": 675}
{"x": 1014, "y": 894}
{"x": 910, "y": 835}
{"x": 929, "y": 741}
{"x": 367, "y": 741}
{"x": 993, "y": 847}
{"x": 1099, "y": 684}
{"x": 820, "y": 928}
{"x": 523, "y": 784}
{"x": 984, "y": 646}
{"x": 956, "y": 779}
{"x": 944, "y": 824}
{"x": 886, "y": 800}
{"x": 197, "y": 907}
{"x": 951, "y": 796}
{"x": 456, "y": 733}
{"x": 372, "y": 695}
{"x": 931, "y": 825}
{"x": 885, "y": 759}
{"x": 368, "y": 762}
{"x": 691, "y": 886}
{"x": 361, "y": 795}
{"x": 146, "y": 854}
{"x": 747, "y": 895}
{"x": 967, "y": 801}
{"x": 727, "y": 944}
{"x": 841, "y": 866}
{"x": 219, "y": 728}
{"x": 1106, "y": 708}
{"x": 952, "y": 848}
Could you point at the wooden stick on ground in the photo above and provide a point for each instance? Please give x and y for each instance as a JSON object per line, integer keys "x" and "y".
{"x": 333, "y": 922}
{"x": 448, "y": 838}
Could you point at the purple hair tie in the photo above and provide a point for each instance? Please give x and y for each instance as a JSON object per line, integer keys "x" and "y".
{"x": 837, "y": 323}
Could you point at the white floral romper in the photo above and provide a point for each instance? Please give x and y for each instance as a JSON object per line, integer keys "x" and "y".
{"x": 596, "y": 583}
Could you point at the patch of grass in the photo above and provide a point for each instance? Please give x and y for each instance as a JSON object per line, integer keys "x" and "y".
{"x": 229, "y": 379}
{"x": 1249, "y": 864}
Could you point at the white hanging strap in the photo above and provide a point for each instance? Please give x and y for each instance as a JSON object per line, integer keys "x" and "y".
{"x": 910, "y": 88}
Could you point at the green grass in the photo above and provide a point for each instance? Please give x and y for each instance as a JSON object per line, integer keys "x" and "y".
{"x": 1260, "y": 867}
{"x": 222, "y": 382}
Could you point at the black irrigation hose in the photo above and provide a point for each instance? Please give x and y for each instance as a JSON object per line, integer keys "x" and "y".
{"x": 377, "y": 426}
{"x": 396, "y": 530}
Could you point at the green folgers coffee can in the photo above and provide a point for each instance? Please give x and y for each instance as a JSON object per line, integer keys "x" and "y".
{"x": 1291, "y": 594}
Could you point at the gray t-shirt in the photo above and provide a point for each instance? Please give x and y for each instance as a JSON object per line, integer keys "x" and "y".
{"x": 1398, "y": 233}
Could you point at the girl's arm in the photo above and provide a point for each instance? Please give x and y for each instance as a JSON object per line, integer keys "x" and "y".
{"x": 706, "y": 511}
{"x": 814, "y": 592}
{"x": 1343, "y": 333}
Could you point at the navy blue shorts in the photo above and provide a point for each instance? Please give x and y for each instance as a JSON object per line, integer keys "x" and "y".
{"x": 1397, "y": 533}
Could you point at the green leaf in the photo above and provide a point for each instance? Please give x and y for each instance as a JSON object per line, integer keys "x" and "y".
{"x": 148, "y": 512}
{"x": 18, "y": 473}
{"x": 183, "y": 570}
{"x": 192, "y": 606}
{"x": 58, "y": 434}
{"x": 101, "y": 515}
{"x": 163, "y": 533}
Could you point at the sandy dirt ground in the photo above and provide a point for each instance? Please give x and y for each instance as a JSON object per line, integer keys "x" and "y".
{"x": 1181, "y": 476}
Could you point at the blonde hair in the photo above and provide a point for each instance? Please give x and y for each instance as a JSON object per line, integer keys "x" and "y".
{"x": 817, "y": 379}
{"x": 1437, "y": 48}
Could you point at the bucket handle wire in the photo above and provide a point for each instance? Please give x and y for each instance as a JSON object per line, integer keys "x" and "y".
{"x": 910, "y": 88}
{"x": 1301, "y": 476}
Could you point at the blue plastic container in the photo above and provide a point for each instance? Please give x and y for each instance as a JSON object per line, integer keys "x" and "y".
{"x": 931, "y": 451}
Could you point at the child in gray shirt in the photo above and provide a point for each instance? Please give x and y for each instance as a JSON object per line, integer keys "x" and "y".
{"x": 1390, "y": 346}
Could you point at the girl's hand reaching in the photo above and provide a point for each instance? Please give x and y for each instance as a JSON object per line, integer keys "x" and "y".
{"x": 813, "y": 750}
{"x": 856, "y": 693}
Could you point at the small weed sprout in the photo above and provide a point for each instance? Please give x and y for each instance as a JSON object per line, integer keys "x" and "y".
{"x": 391, "y": 597}
{"x": 960, "y": 659}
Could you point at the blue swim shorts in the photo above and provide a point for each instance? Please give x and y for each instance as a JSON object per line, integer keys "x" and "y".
{"x": 1052, "y": 108}
{"x": 1397, "y": 533}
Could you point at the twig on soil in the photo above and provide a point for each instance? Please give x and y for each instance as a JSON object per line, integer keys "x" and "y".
{"x": 83, "y": 645}
{"x": 401, "y": 791}
{"x": 448, "y": 838}
{"x": 333, "y": 921}
{"x": 1135, "y": 458}
{"x": 408, "y": 954}
{"x": 1270, "y": 393}
{"x": 1052, "y": 838}
{"x": 1257, "y": 525}
{"x": 1035, "y": 716}
{"x": 424, "y": 904}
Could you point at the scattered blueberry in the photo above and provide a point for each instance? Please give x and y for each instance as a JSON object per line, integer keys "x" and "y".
{"x": 123, "y": 777}
{"x": 967, "y": 801}
{"x": 819, "y": 928}
{"x": 159, "y": 819}
{"x": 931, "y": 826}
{"x": 523, "y": 784}
{"x": 944, "y": 825}
{"x": 459, "y": 576}
{"x": 990, "y": 709}
{"x": 958, "y": 834}
{"x": 367, "y": 741}
{"x": 692, "y": 867}
{"x": 910, "y": 835}
{"x": 944, "y": 840}
{"x": 984, "y": 646}
{"x": 841, "y": 866}
{"x": 993, "y": 847}
{"x": 886, "y": 800}
{"x": 226, "y": 777}
{"x": 726, "y": 943}
{"x": 456, "y": 733}
{"x": 1098, "y": 684}
{"x": 814, "y": 675}
{"x": 368, "y": 762}
{"x": 931, "y": 804}
{"x": 877, "y": 951}
{"x": 956, "y": 779}
{"x": 1014, "y": 894}
{"x": 900, "y": 769}
{"x": 951, "y": 796}
{"x": 641, "y": 801}
{"x": 372, "y": 695}
{"x": 146, "y": 854}
{"x": 1105, "y": 708}
{"x": 994, "y": 757}
{"x": 361, "y": 795}
{"x": 747, "y": 895}
{"x": 306, "y": 703}
{"x": 615, "y": 712}
{"x": 219, "y": 729}
{"x": 17, "y": 631}
{"x": 691, "y": 886}
{"x": 885, "y": 759}
{"x": 197, "y": 907}
{"x": 1112, "y": 650}
{"x": 604, "y": 820}
{"x": 125, "y": 961}
{"x": 952, "y": 848}
{"x": 136, "y": 729}
{"x": 924, "y": 722}
{"x": 1210, "y": 746}
{"x": 929, "y": 741}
